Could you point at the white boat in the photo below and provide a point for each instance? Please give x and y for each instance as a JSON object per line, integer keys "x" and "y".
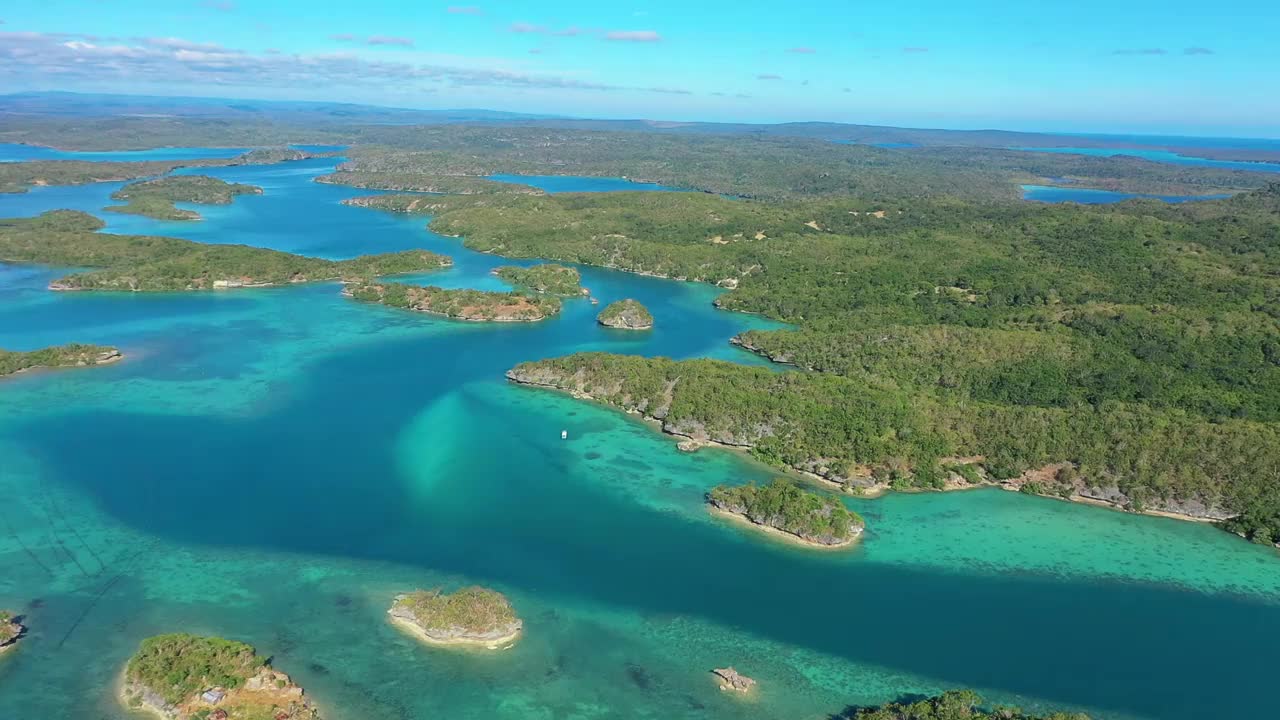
{"x": 564, "y": 434}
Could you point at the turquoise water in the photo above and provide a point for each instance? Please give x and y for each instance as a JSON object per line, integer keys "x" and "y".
{"x": 1089, "y": 196}
{"x": 1164, "y": 156}
{"x": 576, "y": 183}
{"x": 273, "y": 465}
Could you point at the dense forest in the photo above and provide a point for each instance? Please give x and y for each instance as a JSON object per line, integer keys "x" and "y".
{"x": 156, "y": 198}
{"x": 789, "y": 508}
{"x": 766, "y": 167}
{"x": 159, "y": 264}
{"x": 1128, "y": 353}
{"x": 546, "y": 278}
{"x": 349, "y": 175}
{"x": 460, "y": 304}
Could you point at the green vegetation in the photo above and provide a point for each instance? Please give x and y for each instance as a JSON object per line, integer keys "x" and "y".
{"x": 1136, "y": 344}
{"x": 474, "y": 610}
{"x": 16, "y": 177}
{"x": 273, "y": 155}
{"x": 766, "y": 167}
{"x": 73, "y": 355}
{"x": 9, "y": 629}
{"x": 150, "y": 264}
{"x": 785, "y": 506}
{"x": 178, "y": 666}
{"x": 422, "y": 182}
{"x": 156, "y": 198}
{"x": 548, "y": 279}
{"x": 460, "y": 304}
{"x": 952, "y": 705}
{"x": 626, "y": 314}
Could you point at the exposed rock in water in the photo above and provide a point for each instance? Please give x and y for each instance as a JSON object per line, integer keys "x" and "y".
{"x": 731, "y": 679}
{"x": 626, "y": 315}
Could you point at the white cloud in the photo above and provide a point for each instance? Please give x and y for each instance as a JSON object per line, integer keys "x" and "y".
{"x": 641, "y": 36}
{"x": 170, "y": 61}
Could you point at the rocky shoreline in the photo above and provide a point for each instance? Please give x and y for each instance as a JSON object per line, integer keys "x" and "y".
{"x": 693, "y": 436}
{"x": 246, "y": 686}
{"x": 789, "y": 537}
{"x": 626, "y": 315}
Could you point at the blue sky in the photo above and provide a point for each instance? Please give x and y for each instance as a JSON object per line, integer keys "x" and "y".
{"x": 1081, "y": 65}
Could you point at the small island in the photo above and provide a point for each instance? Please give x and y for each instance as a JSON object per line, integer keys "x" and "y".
{"x": 547, "y": 279}
{"x": 626, "y": 315}
{"x": 472, "y": 616}
{"x": 156, "y": 198}
{"x": 458, "y": 304}
{"x": 62, "y": 356}
{"x": 10, "y": 631}
{"x": 785, "y": 508}
{"x": 186, "y": 677}
{"x": 138, "y": 263}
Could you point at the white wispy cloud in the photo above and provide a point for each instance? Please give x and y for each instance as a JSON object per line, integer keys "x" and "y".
{"x": 640, "y": 36}
{"x": 168, "y": 61}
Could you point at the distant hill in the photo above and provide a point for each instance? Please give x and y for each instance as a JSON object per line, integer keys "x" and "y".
{"x": 329, "y": 116}
{"x": 67, "y": 104}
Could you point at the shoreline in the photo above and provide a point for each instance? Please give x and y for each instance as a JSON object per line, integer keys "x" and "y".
{"x": 783, "y": 534}
{"x": 117, "y": 357}
{"x": 506, "y": 642}
{"x": 687, "y": 443}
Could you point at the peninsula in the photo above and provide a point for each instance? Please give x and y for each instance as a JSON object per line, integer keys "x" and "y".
{"x": 459, "y": 304}
{"x": 866, "y": 436}
{"x": 784, "y": 507}
{"x": 156, "y": 198}
{"x": 185, "y": 677}
{"x": 626, "y": 315}
{"x": 547, "y": 279}
{"x": 422, "y": 183}
{"x": 10, "y": 631}
{"x": 62, "y": 356}
{"x": 472, "y": 616}
{"x": 18, "y": 177}
{"x": 159, "y": 264}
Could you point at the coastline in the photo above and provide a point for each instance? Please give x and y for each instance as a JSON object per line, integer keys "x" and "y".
{"x": 782, "y": 534}
{"x": 112, "y": 359}
{"x": 688, "y": 443}
{"x": 506, "y": 642}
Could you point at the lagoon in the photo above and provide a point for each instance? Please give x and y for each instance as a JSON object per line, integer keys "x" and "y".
{"x": 1090, "y": 196}
{"x": 273, "y": 465}
{"x": 1163, "y": 156}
